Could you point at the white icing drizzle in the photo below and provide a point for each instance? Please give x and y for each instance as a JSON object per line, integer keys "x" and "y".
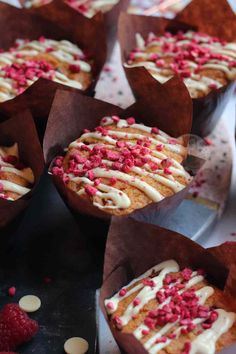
{"x": 112, "y": 196}
{"x": 107, "y": 193}
{"x": 203, "y": 343}
{"x": 8, "y": 169}
{"x": 13, "y": 187}
{"x": 195, "y": 82}
{"x": 157, "y": 268}
{"x": 88, "y": 8}
{"x": 64, "y": 51}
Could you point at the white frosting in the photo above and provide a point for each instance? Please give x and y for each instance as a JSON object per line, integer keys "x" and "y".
{"x": 203, "y": 343}
{"x": 8, "y": 169}
{"x": 112, "y": 196}
{"x": 195, "y": 82}
{"x": 64, "y": 51}
{"x": 88, "y": 8}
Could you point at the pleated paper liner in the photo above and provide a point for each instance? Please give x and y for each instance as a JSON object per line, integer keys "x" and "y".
{"x": 24, "y": 24}
{"x": 134, "y": 247}
{"x": 21, "y": 129}
{"x": 204, "y": 16}
{"x": 63, "y": 15}
{"x": 72, "y": 112}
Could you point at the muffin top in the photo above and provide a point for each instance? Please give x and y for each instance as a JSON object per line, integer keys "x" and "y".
{"x": 204, "y": 63}
{"x": 88, "y": 8}
{"x": 15, "y": 178}
{"x": 122, "y": 165}
{"x": 27, "y": 61}
{"x": 174, "y": 311}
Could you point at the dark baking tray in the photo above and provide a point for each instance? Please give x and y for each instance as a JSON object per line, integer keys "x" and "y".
{"x": 48, "y": 244}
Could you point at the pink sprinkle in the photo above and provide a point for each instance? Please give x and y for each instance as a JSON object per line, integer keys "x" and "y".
{"x": 145, "y": 332}
{"x": 113, "y": 181}
{"x": 123, "y": 292}
{"x": 97, "y": 181}
{"x": 167, "y": 171}
{"x": 136, "y": 301}
{"x": 115, "y": 119}
{"x": 159, "y": 147}
{"x": 42, "y": 39}
{"x": 206, "y": 325}
{"x": 160, "y": 63}
{"x": 208, "y": 141}
{"x": 12, "y": 291}
{"x": 117, "y": 321}
{"x": 172, "y": 141}
{"x": 130, "y": 120}
{"x": 155, "y": 130}
{"x": 212, "y": 86}
{"x": 90, "y": 175}
{"x": 110, "y": 305}
{"x": 153, "y": 56}
{"x": 49, "y": 50}
{"x": 85, "y": 131}
{"x": 166, "y": 163}
{"x": 187, "y": 348}
{"x": 120, "y": 144}
{"x": 10, "y": 159}
{"x": 74, "y": 68}
{"x": 148, "y": 282}
{"x": 90, "y": 190}
{"x": 161, "y": 340}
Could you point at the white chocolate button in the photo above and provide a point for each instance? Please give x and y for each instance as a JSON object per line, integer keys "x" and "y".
{"x": 76, "y": 345}
{"x": 30, "y": 303}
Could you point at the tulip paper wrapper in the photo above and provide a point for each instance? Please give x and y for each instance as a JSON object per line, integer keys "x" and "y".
{"x": 201, "y": 15}
{"x": 57, "y": 11}
{"x": 39, "y": 96}
{"x": 72, "y": 112}
{"x": 21, "y": 129}
{"x": 133, "y": 248}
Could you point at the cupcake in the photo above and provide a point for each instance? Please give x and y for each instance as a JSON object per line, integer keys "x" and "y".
{"x": 87, "y": 8}
{"x": 16, "y": 179}
{"x": 163, "y": 293}
{"x": 21, "y": 165}
{"x": 203, "y": 62}
{"x": 122, "y": 166}
{"x": 28, "y": 60}
{"x": 173, "y": 310}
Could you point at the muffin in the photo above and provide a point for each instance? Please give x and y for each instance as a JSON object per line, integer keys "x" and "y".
{"x": 27, "y": 61}
{"x": 204, "y": 63}
{"x": 88, "y": 8}
{"x": 122, "y": 165}
{"x": 174, "y": 311}
{"x": 15, "y": 178}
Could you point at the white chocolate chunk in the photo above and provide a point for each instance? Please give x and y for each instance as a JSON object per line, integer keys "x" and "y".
{"x": 76, "y": 345}
{"x": 30, "y": 303}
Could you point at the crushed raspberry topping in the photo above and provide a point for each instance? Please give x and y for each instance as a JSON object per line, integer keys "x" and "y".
{"x": 183, "y": 49}
{"x": 28, "y": 71}
{"x": 183, "y": 306}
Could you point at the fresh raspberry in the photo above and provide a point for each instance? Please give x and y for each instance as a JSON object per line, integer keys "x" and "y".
{"x": 16, "y": 327}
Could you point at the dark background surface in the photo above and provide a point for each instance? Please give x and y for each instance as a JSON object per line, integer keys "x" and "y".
{"x": 47, "y": 242}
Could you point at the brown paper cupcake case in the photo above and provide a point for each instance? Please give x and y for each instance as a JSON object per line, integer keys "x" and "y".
{"x": 72, "y": 112}
{"x": 58, "y": 12}
{"x": 21, "y": 129}
{"x": 201, "y": 15}
{"x": 128, "y": 240}
{"x": 38, "y": 97}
